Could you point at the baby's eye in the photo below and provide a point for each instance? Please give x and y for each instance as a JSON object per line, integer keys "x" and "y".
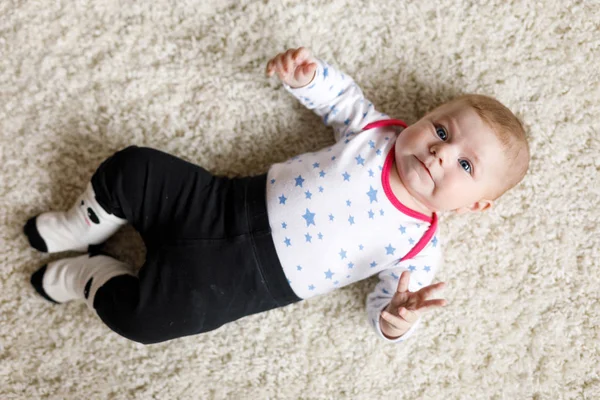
{"x": 441, "y": 132}
{"x": 466, "y": 166}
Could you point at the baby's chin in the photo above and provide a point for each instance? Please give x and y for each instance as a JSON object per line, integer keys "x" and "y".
{"x": 423, "y": 200}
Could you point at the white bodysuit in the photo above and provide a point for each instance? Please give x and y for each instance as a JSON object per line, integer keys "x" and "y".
{"x": 334, "y": 218}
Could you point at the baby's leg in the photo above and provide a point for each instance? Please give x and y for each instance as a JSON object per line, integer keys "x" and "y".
{"x": 149, "y": 189}
{"x": 85, "y": 223}
{"x": 77, "y": 278}
{"x": 158, "y": 305}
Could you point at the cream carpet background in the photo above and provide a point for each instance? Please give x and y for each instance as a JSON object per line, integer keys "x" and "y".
{"x": 82, "y": 79}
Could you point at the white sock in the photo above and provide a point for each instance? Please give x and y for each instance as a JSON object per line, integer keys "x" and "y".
{"x": 77, "y": 277}
{"x": 84, "y": 224}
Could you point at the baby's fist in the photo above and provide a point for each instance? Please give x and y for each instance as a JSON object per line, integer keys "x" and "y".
{"x": 295, "y": 67}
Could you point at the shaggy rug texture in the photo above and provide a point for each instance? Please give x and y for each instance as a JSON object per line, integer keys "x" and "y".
{"x": 80, "y": 80}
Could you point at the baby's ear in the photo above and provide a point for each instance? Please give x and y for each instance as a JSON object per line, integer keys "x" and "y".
{"x": 478, "y": 206}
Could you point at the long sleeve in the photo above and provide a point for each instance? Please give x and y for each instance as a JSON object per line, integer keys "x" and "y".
{"x": 338, "y": 100}
{"x": 422, "y": 270}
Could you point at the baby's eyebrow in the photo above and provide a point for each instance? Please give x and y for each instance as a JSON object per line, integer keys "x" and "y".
{"x": 452, "y": 124}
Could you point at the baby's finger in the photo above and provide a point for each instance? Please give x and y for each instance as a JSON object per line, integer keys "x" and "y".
{"x": 396, "y": 322}
{"x": 427, "y": 291}
{"x": 409, "y": 316}
{"x": 403, "y": 282}
{"x": 288, "y": 62}
{"x": 279, "y": 68}
{"x": 430, "y": 304}
{"x": 309, "y": 69}
{"x": 300, "y": 55}
{"x": 269, "y": 70}
{"x": 303, "y": 71}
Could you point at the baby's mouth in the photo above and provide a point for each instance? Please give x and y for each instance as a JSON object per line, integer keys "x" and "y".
{"x": 425, "y": 167}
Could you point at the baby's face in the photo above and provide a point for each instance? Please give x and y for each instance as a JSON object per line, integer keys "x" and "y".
{"x": 451, "y": 159}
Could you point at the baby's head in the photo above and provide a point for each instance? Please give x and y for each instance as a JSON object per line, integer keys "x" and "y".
{"x": 462, "y": 155}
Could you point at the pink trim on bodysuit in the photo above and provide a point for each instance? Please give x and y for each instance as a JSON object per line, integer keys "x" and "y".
{"x": 385, "y": 181}
{"x": 385, "y": 122}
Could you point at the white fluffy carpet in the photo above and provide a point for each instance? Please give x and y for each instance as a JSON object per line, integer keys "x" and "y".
{"x": 82, "y": 79}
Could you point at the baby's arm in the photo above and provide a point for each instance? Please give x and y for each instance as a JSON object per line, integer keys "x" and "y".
{"x": 401, "y": 296}
{"x": 329, "y": 93}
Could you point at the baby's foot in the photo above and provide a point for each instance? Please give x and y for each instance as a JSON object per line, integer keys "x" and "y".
{"x": 76, "y": 277}
{"x": 84, "y": 224}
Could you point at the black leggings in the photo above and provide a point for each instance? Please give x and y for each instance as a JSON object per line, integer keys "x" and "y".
{"x": 210, "y": 256}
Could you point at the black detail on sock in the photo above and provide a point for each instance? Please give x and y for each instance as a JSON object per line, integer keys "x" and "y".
{"x": 97, "y": 250}
{"x": 36, "y": 281}
{"x": 88, "y": 285}
{"x": 35, "y": 240}
{"x": 93, "y": 217}
{"x": 82, "y": 203}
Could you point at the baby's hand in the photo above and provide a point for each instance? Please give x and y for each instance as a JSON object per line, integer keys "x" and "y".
{"x": 406, "y": 307}
{"x": 295, "y": 67}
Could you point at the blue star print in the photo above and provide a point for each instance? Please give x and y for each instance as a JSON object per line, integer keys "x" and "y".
{"x": 299, "y": 180}
{"x": 371, "y": 173}
{"x": 321, "y": 189}
{"x": 320, "y": 235}
{"x": 346, "y": 176}
{"x": 308, "y": 194}
{"x": 316, "y": 165}
{"x": 299, "y": 268}
{"x": 331, "y": 217}
{"x": 308, "y": 238}
{"x": 360, "y": 160}
{"x": 372, "y": 195}
{"x": 371, "y": 144}
{"x": 412, "y": 268}
{"x": 309, "y": 217}
{"x": 282, "y": 199}
{"x": 348, "y": 203}
{"x": 288, "y": 242}
{"x": 284, "y": 225}
{"x": 322, "y": 174}
{"x": 342, "y": 254}
{"x": 329, "y": 274}
{"x": 371, "y": 214}
{"x": 350, "y": 265}
{"x": 351, "y": 220}
{"x": 373, "y": 264}
{"x": 311, "y": 287}
{"x": 402, "y": 229}
{"x": 434, "y": 241}
{"x": 325, "y": 72}
{"x": 272, "y": 181}
{"x": 389, "y": 250}
{"x": 427, "y": 268}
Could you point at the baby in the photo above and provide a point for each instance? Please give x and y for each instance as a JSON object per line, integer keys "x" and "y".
{"x": 220, "y": 248}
